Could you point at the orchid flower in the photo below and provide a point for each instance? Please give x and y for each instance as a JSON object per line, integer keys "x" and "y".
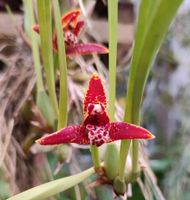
{"x": 72, "y": 28}
{"x": 96, "y": 128}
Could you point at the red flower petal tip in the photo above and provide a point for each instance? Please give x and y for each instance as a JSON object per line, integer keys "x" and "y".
{"x": 70, "y": 134}
{"x": 70, "y": 18}
{"x": 36, "y": 28}
{"x": 39, "y": 141}
{"x": 124, "y": 130}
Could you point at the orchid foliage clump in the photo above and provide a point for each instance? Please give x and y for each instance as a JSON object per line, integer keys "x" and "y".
{"x": 98, "y": 127}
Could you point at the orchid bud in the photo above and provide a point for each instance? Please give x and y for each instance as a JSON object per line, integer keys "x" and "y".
{"x": 119, "y": 186}
{"x": 111, "y": 161}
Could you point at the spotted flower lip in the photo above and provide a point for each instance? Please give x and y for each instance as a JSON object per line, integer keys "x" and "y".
{"x": 96, "y": 128}
{"x": 72, "y": 28}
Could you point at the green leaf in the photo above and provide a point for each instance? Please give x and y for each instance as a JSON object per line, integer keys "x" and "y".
{"x": 113, "y": 23}
{"x": 62, "y": 118}
{"x": 153, "y": 22}
{"x": 42, "y": 98}
{"x": 49, "y": 189}
{"x": 45, "y": 24}
{"x": 28, "y": 23}
{"x": 147, "y": 42}
{"x": 44, "y": 104}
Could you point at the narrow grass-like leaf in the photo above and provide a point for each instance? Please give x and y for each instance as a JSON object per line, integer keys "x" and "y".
{"x": 29, "y": 22}
{"x": 153, "y": 22}
{"x": 113, "y": 24}
{"x": 49, "y": 189}
{"x": 62, "y": 118}
{"x": 113, "y": 33}
{"x": 145, "y": 12}
{"x": 42, "y": 98}
{"x": 45, "y": 25}
{"x": 45, "y": 106}
{"x": 157, "y": 27}
{"x": 153, "y": 185}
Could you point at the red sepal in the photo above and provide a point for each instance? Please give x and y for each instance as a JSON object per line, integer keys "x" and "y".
{"x": 70, "y": 18}
{"x": 71, "y": 134}
{"x": 124, "y": 130}
{"x": 95, "y": 93}
{"x": 78, "y": 28}
{"x": 85, "y": 49}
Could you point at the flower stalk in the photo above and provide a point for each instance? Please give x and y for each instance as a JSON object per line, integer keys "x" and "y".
{"x": 95, "y": 156}
{"x": 124, "y": 149}
{"x": 135, "y": 156}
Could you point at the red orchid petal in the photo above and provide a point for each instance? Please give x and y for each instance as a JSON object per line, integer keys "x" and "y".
{"x": 99, "y": 135}
{"x": 78, "y": 28}
{"x": 36, "y": 28}
{"x": 85, "y": 49}
{"x": 95, "y": 93}
{"x": 124, "y": 130}
{"x": 98, "y": 119}
{"x": 70, "y": 18}
{"x": 70, "y": 134}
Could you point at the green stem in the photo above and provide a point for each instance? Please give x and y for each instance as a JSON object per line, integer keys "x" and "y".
{"x": 95, "y": 156}
{"x": 135, "y": 156}
{"x": 124, "y": 149}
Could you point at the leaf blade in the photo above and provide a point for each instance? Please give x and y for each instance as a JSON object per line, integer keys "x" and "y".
{"x": 53, "y": 187}
{"x": 45, "y": 25}
{"x": 62, "y": 117}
